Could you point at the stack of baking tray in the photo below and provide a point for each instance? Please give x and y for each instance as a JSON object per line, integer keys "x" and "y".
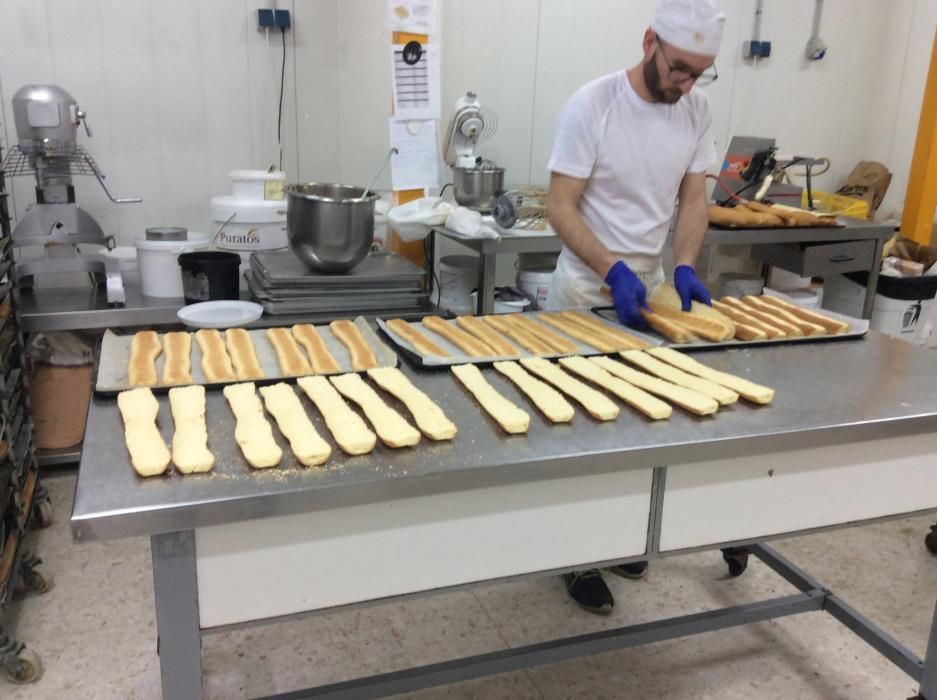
{"x": 282, "y": 284}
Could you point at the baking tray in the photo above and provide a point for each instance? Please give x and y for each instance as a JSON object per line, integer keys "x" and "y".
{"x": 736, "y": 227}
{"x": 457, "y": 357}
{"x": 282, "y": 268}
{"x": 115, "y": 355}
{"x": 858, "y": 327}
{"x": 260, "y": 291}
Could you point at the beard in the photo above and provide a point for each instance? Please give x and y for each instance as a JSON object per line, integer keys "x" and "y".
{"x": 653, "y": 81}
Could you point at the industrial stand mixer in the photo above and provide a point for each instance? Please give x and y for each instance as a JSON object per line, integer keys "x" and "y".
{"x": 47, "y": 120}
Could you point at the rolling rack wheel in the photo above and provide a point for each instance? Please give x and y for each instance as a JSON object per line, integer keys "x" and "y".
{"x": 34, "y": 581}
{"x": 18, "y": 664}
{"x": 930, "y": 541}
{"x": 737, "y": 559}
{"x": 43, "y": 515}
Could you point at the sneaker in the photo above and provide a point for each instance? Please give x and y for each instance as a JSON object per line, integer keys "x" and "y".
{"x": 589, "y": 591}
{"x": 634, "y": 570}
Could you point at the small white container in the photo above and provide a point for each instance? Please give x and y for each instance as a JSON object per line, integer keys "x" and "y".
{"x": 160, "y": 274}
{"x": 536, "y": 284}
{"x": 507, "y": 301}
{"x": 458, "y": 276}
{"x": 249, "y": 224}
{"x": 257, "y": 184}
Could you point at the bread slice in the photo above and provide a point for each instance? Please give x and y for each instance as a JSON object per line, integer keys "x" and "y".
{"x": 550, "y": 402}
{"x": 488, "y": 335}
{"x": 676, "y": 376}
{"x": 511, "y": 418}
{"x": 149, "y": 454}
{"x": 745, "y": 319}
{"x": 243, "y": 356}
{"x": 670, "y": 329}
{"x": 390, "y": 426}
{"x": 350, "y": 431}
{"x": 177, "y": 365}
{"x": 320, "y": 358}
{"x": 216, "y": 365}
{"x": 420, "y": 343}
{"x": 651, "y": 406}
{"x": 467, "y": 343}
{"x": 685, "y": 398}
{"x": 596, "y": 403}
{"x": 429, "y": 417}
{"x": 522, "y": 337}
{"x": 293, "y": 362}
{"x": 362, "y": 356}
{"x": 746, "y": 389}
{"x": 144, "y": 349}
{"x": 556, "y": 341}
{"x": 702, "y": 320}
{"x": 590, "y": 321}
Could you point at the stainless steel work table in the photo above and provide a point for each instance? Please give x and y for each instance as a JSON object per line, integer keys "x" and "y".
{"x": 829, "y": 395}
{"x": 764, "y": 244}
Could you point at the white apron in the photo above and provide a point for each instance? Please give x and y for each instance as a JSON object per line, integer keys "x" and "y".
{"x": 574, "y": 284}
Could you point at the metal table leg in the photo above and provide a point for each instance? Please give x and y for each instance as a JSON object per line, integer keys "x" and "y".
{"x": 872, "y": 283}
{"x": 928, "y": 689}
{"x": 486, "y": 284}
{"x": 175, "y": 589}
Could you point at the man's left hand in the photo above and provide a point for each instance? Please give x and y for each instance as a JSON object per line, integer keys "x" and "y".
{"x": 689, "y": 287}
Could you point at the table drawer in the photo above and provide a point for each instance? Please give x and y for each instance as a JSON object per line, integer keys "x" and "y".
{"x": 743, "y": 499}
{"x": 817, "y": 259}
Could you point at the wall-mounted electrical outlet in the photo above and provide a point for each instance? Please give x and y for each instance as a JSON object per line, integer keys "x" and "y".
{"x": 756, "y": 49}
{"x": 273, "y": 19}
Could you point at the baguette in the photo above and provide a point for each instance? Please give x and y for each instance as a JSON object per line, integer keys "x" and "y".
{"x": 790, "y": 330}
{"x": 420, "y": 342}
{"x": 591, "y": 321}
{"x": 746, "y": 332}
{"x": 177, "y": 351}
{"x": 788, "y": 218}
{"x": 649, "y": 405}
{"x": 216, "y": 365}
{"x": 729, "y": 216}
{"x": 291, "y": 359}
{"x": 242, "y": 354}
{"x": 550, "y": 402}
{"x": 466, "y": 342}
{"x": 832, "y": 325}
{"x": 762, "y": 218}
{"x": 707, "y": 328}
{"x": 525, "y": 339}
{"x": 806, "y": 327}
{"x": 672, "y": 330}
{"x": 666, "y": 296}
{"x": 320, "y": 358}
{"x": 744, "y": 318}
{"x": 556, "y": 342}
{"x": 746, "y": 389}
{"x": 362, "y": 356}
{"x": 676, "y": 376}
{"x": 807, "y": 218}
{"x": 511, "y": 418}
{"x": 692, "y": 401}
{"x": 144, "y": 349}
{"x": 596, "y": 403}
{"x": 488, "y": 335}
{"x": 593, "y": 338}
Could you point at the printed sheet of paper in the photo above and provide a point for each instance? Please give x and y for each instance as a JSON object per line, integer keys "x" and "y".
{"x": 416, "y": 163}
{"x": 415, "y": 79}
{"x": 413, "y": 16}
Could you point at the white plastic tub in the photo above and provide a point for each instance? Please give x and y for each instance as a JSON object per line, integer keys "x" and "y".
{"x": 249, "y": 224}
{"x": 536, "y": 284}
{"x": 458, "y": 276}
{"x": 160, "y": 275}
{"x": 257, "y": 184}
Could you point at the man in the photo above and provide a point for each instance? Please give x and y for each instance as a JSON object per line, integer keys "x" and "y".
{"x": 628, "y": 147}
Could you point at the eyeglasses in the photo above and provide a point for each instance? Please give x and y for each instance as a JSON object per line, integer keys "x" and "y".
{"x": 681, "y": 75}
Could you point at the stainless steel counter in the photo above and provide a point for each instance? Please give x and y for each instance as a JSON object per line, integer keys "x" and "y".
{"x": 827, "y": 393}
{"x": 86, "y": 308}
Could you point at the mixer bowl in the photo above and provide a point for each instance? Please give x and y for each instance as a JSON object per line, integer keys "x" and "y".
{"x": 477, "y": 188}
{"x": 330, "y": 227}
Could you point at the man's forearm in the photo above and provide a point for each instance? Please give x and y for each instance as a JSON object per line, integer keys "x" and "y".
{"x": 692, "y": 222}
{"x": 576, "y": 234}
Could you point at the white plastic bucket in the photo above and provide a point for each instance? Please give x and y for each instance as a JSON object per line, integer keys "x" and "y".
{"x": 507, "y": 301}
{"x": 257, "y": 184}
{"x": 739, "y": 284}
{"x": 160, "y": 274}
{"x": 536, "y": 285}
{"x": 458, "y": 275}
{"x": 248, "y": 224}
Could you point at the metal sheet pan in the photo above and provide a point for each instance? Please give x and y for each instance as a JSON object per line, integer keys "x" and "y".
{"x": 858, "y": 327}
{"x": 282, "y": 268}
{"x": 458, "y": 357}
{"x": 115, "y": 355}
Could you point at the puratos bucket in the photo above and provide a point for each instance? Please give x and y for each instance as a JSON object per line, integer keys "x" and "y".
{"x": 209, "y": 276}
{"x": 159, "y": 266}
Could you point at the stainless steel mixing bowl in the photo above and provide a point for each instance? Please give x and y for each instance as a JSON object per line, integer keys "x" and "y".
{"x": 330, "y": 227}
{"x": 477, "y": 188}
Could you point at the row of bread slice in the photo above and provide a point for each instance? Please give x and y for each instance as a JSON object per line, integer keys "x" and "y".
{"x": 190, "y": 453}
{"x": 650, "y": 381}
{"x": 231, "y": 356}
{"x": 508, "y": 335}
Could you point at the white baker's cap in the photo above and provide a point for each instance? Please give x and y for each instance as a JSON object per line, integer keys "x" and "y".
{"x": 695, "y": 26}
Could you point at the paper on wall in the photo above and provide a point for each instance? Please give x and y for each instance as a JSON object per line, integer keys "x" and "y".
{"x": 416, "y": 163}
{"x": 415, "y": 79}
{"x": 414, "y": 16}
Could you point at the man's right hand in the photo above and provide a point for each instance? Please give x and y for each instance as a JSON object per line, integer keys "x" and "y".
{"x": 628, "y": 294}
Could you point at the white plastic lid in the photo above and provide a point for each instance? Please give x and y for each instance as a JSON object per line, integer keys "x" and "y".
{"x": 196, "y": 241}
{"x": 247, "y": 211}
{"x": 257, "y": 175}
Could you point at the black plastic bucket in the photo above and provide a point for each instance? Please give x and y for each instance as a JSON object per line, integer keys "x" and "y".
{"x": 209, "y": 276}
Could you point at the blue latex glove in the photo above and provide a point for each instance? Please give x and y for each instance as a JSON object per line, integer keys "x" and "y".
{"x": 689, "y": 287}
{"x": 628, "y": 294}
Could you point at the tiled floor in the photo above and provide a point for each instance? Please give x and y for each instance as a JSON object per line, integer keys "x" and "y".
{"x": 96, "y": 634}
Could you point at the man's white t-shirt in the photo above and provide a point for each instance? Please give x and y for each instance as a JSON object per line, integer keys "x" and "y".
{"x": 634, "y": 154}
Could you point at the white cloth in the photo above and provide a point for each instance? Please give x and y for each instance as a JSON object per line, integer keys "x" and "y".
{"x": 634, "y": 154}
{"x": 695, "y": 26}
{"x": 568, "y": 291}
